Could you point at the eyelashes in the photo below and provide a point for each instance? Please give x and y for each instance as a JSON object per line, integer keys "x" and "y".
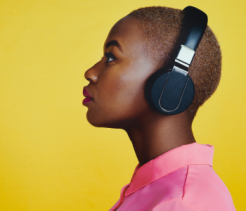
{"x": 110, "y": 57}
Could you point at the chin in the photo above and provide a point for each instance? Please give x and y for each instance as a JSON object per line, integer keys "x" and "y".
{"x": 97, "y": 120}
{"x": 102, "y": 121}
{"x": 94, "y": 120}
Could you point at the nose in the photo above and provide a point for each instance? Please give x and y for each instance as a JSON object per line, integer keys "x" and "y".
{"x": 92, "y": 74}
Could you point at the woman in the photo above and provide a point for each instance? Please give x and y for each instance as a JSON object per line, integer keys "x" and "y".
{"x": 174, "y": 172}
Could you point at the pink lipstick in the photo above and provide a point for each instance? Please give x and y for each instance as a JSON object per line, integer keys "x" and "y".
{"x": 88, "y": 97}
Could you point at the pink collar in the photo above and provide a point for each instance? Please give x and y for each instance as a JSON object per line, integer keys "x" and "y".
{"x": 172, "y": 160}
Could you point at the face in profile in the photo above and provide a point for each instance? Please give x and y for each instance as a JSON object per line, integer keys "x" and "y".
{"x": 116, "y": 82}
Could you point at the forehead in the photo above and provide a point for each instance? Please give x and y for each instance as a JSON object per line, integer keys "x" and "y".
{"x": 128, "y": 32}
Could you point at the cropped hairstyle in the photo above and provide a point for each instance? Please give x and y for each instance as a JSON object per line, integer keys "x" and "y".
{"x": 161, "y": 27}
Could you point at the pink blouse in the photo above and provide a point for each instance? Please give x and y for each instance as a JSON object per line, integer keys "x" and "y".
{"x": 181, "y": 179}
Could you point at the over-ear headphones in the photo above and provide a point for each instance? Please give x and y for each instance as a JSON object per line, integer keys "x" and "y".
{"x": 170, "y": 90}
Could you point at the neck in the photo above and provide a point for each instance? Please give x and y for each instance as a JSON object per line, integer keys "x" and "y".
{"x": 154, "y": 135}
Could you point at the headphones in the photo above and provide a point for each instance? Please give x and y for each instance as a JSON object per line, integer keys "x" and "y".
{"x": 170, "y": 90}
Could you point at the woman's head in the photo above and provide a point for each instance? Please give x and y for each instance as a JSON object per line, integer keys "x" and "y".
{"x": 117, "y": 81}
{"x": 136, "y": 47}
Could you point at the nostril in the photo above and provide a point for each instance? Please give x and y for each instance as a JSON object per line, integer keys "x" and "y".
{"x": 89, "y": 79}
{"x": 92, "y": 79}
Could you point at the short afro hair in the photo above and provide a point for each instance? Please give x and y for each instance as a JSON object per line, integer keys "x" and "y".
{"x": 161, "y": 27}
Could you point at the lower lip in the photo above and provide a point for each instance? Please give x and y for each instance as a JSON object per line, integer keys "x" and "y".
{"x": 86, "y": 100}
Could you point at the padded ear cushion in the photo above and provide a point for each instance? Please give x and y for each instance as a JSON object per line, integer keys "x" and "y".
{"x": 170, "y": 92}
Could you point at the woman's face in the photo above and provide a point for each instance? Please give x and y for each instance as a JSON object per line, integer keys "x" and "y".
{"x": 117, "y": 81}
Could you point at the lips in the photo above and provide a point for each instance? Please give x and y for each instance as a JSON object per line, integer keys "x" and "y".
{"x": 88, "y": 97}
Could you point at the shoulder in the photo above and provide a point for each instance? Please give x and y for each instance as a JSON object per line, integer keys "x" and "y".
{"x": 205, "y": 190}
{"x": 202, "y": 190}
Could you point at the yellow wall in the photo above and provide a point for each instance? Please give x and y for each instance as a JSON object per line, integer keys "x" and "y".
{"x": 50, "y": 157}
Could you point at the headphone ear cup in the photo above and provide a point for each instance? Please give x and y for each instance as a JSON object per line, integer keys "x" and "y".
{"x": 170, "y": 92}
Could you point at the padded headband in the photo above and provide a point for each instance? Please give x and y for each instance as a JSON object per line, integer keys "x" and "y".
{"x": 194, "y": 26}
{"x": 197, "y": 22}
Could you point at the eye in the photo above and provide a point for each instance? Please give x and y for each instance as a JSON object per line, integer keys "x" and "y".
{"x": 110, "y": 57}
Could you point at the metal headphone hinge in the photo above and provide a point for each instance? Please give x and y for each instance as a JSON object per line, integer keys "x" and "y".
{"x": 185, "y": 56}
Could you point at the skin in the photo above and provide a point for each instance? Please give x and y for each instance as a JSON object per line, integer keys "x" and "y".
{"x": 117, "y": 87}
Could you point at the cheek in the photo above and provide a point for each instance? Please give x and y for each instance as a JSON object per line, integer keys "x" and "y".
{"x": 123, "y": 96}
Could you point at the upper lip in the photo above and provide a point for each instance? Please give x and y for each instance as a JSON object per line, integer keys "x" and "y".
{"x": 86, "y": 93}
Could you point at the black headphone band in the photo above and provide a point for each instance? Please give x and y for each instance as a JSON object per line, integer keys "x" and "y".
{"x": 197, "y": 20}
{"x": 196, "y": 23}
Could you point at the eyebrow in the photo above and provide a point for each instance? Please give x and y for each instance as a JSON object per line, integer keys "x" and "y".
{"x": 114, "y": 43}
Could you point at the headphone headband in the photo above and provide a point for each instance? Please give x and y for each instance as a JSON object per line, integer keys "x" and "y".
{"x": 196, "y": 23}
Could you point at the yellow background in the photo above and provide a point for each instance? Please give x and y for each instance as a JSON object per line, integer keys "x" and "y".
{"x": 51, "y": 159}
